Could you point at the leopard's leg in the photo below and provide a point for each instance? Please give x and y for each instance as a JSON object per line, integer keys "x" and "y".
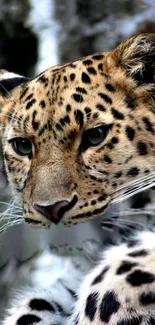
{"x": 52, "y": 303}
{"x": 121, "y": 289}
{"x": 40, "y": 306}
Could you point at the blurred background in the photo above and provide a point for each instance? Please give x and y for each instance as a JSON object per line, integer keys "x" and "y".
{"x": 35, "y": 35}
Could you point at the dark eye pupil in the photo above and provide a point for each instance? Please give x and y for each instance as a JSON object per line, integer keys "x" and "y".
{"x": 93, "y": 137}
{"x": 22, "y": 146}
{"x": 96, "y": 135}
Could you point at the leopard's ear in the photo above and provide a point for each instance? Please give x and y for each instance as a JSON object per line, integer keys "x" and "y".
{"x": 9, "y": 81}
{"x": 137, "y": 56}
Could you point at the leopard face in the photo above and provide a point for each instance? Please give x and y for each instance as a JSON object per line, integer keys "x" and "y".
{"x": 75, "y": 134}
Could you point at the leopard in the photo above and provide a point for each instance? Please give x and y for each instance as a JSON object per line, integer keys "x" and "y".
{"x": 76, "y": 139}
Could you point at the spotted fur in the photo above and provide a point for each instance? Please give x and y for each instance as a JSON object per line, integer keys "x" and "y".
{"x": 58, "y": 109}
{"x": 69, "y": 176}
{"x": 119, "y": 290}
{"x": 124, "y": 294}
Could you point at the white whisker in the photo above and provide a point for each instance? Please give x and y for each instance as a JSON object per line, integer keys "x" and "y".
{"x": 10, "y": 224}
{"x": 8, "y": 217}
{"x": 136, "y": 181}
{"x": 15, "y": 119}
{"x": 116, "y": 224}
{"x": 129, "y": 189}
{"x": 10, "y": 204}
{"x": 11, "y": 216}
{"x": 10, "y": 212}
{"x": 122, "y": 224}
{"x": 7, "y": 92}
{"x": 135, "y": 212}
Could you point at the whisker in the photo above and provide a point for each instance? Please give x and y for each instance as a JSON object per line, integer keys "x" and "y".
{"x": 10, "y": 204}
{"x": 116, "y": 224}
{"x": 115, "y": 220}
{"x": 135, "y": 212}
{"x": 131, "y": 188}
{"x": 121, "y": 224}
{"x": 125, "y": 196}
{"x": 8, "y": 217}
{"x": 8, "y": 92}
{"x": 10, "y": 210}
{"x": 129, "y": 223}
{"x": 11, "y": 215}
{"x": 12, "y": 221}
{"x": 135, "y": 181}
{"x": 15, "y": 119}
{"x": 10, "y": 224}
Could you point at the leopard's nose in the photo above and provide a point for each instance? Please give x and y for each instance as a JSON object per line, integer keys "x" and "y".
{"x": 55, "y": 212}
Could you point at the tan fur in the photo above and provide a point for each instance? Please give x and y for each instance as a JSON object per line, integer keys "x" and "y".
{"x": 58, "y": 170}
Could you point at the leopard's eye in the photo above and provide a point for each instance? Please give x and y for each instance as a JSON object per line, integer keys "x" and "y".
{"x": 22, "y": 146}
{"x": 93, "y": 137}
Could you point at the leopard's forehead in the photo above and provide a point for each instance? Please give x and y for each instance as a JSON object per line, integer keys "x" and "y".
{"x": 71, "y": 97}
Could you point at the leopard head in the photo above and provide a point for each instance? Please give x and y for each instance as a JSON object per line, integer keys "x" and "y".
{"x": 81, "y": 135}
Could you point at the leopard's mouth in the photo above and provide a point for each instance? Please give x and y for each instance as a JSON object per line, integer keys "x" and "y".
{"x": 64, "y": 212}
{"x": 84, "y": 216}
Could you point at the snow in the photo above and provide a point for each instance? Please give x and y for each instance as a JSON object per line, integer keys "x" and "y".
{"x": 43, "y": 23}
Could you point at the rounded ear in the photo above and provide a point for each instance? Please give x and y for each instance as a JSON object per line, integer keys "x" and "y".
{"x": 137, "y": 56}
{"x": 9, "y": 81}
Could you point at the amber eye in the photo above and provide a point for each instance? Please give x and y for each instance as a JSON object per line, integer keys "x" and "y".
{"x": 22, "y": 146}
{"x": 93, "y": 137}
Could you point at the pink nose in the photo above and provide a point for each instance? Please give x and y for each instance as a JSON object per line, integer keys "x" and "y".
{"x": 56, "y": 211}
